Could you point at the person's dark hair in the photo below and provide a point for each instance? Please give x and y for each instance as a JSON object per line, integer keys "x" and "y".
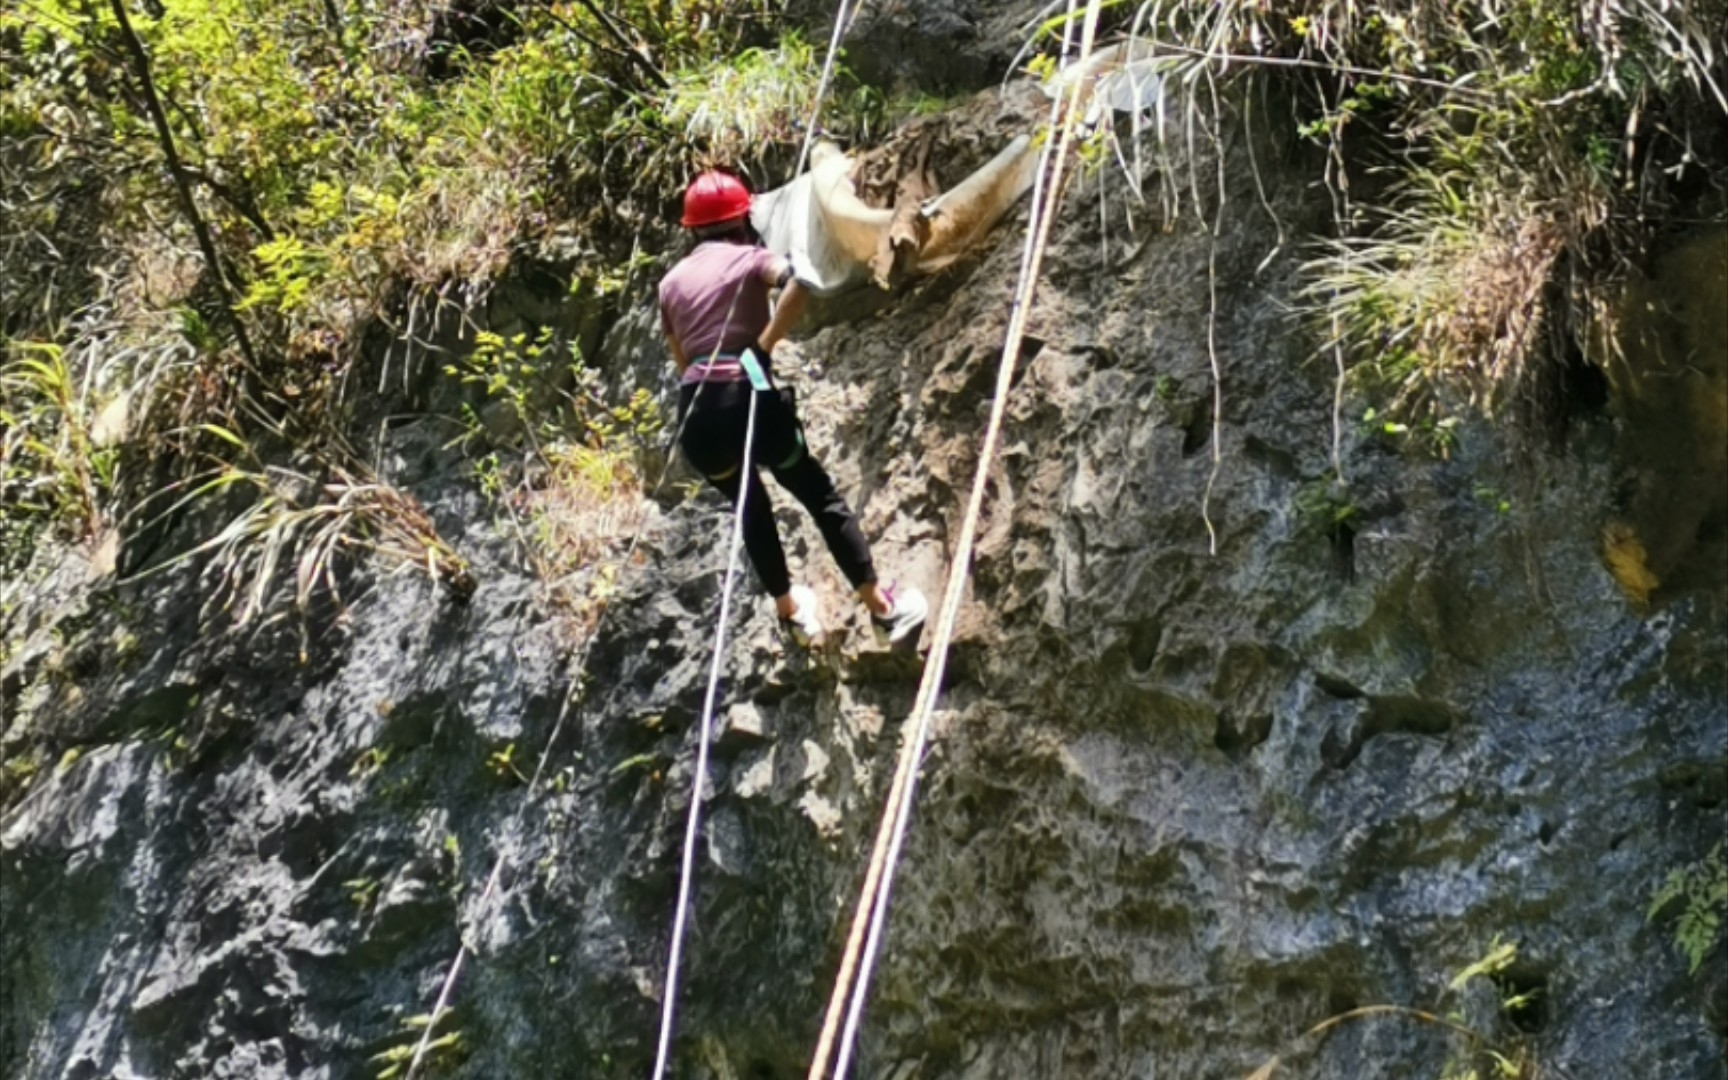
{"x": 732, "y": 232}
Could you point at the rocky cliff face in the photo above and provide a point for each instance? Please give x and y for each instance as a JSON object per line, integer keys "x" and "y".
{"x": 1183, "y": 803}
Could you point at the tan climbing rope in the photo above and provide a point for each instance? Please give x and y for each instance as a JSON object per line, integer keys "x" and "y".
{"x": 851, "y": 987}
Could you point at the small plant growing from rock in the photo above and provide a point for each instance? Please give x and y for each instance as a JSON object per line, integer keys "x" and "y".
{"x": 17, "y": 774}
{"x": 1476, "y": 1055}
{"x": 574, "y": 488}
{"x": 370, "y": 761}
{"x": 502, "y": 764}
{"x": 1701, "y": 893}
{"x": 442, "y": 1053}
{"x": 363, "y": 891}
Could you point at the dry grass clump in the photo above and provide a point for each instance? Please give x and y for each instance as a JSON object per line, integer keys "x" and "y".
{"x": 1459, "y": 302}
{"x": 1629, "y": 563}
{"x": 565, "y": 463}
{"x": 735, "y": 110}
{"x": 1495, "y": 165}
{"x": 293, "y": 521}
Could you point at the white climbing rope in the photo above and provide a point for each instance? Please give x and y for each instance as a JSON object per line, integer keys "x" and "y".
{"x": 687, "y": 869}
{"x": 851, "y": 989}
{"x": 841, "y": 25}
{"x": 448, "y": 986}
{"x": 680, "y": 917}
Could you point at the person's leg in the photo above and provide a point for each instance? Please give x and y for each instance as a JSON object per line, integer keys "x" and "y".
{"x": 761, "y": 538}
{"x": 713, "y": 442}
{"x": 810, "y": 484}
{"x": 783, "y": 449}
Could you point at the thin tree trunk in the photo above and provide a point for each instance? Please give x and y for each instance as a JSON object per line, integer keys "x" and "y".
{"x": 177, "y": 171}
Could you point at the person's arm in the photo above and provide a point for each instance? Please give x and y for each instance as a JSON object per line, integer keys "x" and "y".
{"x": 673, "y": 343}
{"x": 778, "y": 272}
{"x": 678, "y": 356}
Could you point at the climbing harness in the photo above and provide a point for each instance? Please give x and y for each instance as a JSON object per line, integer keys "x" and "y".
{"x": 852, "y": 983}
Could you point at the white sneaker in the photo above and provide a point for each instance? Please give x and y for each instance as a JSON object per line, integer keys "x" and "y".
{"x": 907, "y": 610}
{"x": 805, "y": 624}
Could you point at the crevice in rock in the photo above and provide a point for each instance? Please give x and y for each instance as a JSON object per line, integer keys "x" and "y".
{"x": 1525, "y": 988}
{"x": 1280, "y": 462}
{"x": 1387, "y": 715}
{"x": 1143, "y": 638}
{"x": 1030, "y": 347}
{"x": 1238, "y": 736}
{"x": 1338, "y": 686}
{"x": 1343, "y": 541}
{"x": 1341, "y": 744}
{"x": 1416, "y": 716}
{"x": 1196, "y": 430}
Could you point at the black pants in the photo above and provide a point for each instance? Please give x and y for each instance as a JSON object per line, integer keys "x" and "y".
{"x": 713, "y": 440}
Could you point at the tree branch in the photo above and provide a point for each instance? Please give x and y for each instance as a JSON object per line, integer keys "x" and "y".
{"x": 241, "y": 204}
{"x": 626, "y": 46}
{"x": 177, "y": 172}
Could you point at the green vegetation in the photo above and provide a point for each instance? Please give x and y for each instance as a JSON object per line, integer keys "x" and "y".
{"x": 1478, "y": 1051}
{"x": 1494, "y": 169}
{"x": 49, "y": 462}
{"x": 1479, "y": 1058}
{"x": 369, "y": 761}
{"x": 1699, "y": 893}
{"x": 502, "y": 764}
{"x": 363, "y": 891}
{"x": 1325, "y": 507}
{"x": 571, "y": 488}
{"x": 442, "y": 1053}
{"x": 229, "y": 224}
{"x": 17, "y": 774}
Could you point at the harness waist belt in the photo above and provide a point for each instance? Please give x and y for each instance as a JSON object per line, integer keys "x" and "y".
{"x": 723, "y": 368}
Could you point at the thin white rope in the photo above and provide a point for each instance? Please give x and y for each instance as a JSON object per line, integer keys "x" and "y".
{"x": 844, "y": 981}
{"x": 687, "y": 871}
{"x": 580, "y": 670}
{"x": 680, "y": 917}
{"x": 899, "y": 817}
{"x": 841, "y": 24}
{"x": 580, "y": 667}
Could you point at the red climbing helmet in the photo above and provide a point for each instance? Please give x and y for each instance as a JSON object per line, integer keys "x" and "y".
{"x": 714, "y": 198}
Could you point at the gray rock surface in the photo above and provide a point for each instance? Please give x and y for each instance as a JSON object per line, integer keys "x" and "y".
{"x": 1181, "y": 806}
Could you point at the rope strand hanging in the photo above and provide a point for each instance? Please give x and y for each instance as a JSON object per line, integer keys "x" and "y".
{"x": 687, "y": 867}
{"x": 448, "y": 985}
{"x": 705, "y": 734}
{"x": 852, "y": 983}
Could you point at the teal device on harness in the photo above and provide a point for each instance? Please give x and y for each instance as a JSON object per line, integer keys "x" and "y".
{"x": 753, "y": 370}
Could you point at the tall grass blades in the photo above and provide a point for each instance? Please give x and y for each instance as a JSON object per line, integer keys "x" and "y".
{"x": 296, "y": 530}
{"x": 738, "y": 107}
{"x": 51, "y": 474}
{"x": 1495, "y": 164}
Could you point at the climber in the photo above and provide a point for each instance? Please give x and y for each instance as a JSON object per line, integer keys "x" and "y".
{"x": 714, "y": 308}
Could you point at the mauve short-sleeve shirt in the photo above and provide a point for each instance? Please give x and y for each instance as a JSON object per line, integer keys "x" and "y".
{"x": 696, "y": 296}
